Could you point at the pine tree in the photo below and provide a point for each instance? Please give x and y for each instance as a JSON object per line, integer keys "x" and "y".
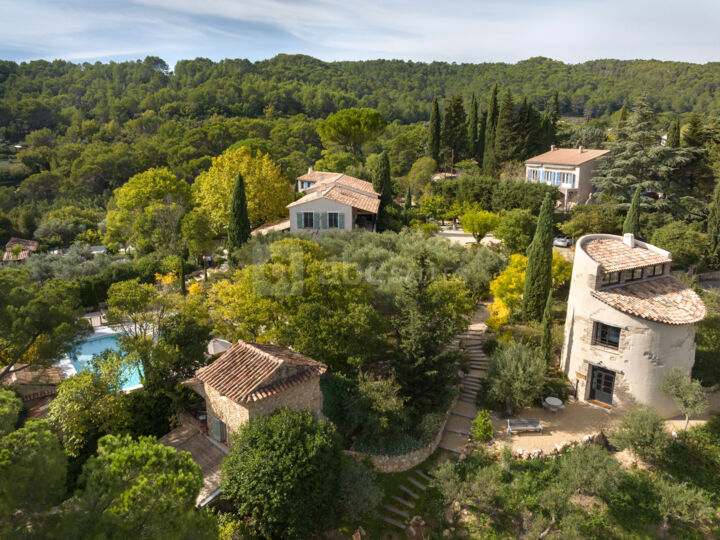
{"x": 239, "y": 225}
{"x": 632, "y": 219}
{"x": 694, "y": 132}
{"x": 454, "y": 131}
{"x": 408, "y": 198}
{"x": 546, "y": 346}
{"x": 489, "y": 161}
{"x": 382, "y": 184}
{"x": 506, "y": 140}
{"x": 538, "y": 277}
{"x": 472, "y": 123}
{"x": 433, "y": 148}
{"x": 673, "y": 136}
{"x": 713, "y": 226}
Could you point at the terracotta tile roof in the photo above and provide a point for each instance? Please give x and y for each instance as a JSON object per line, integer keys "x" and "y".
{"x": 51, "y": 375}
{"x": 318, "y": 176}
{"x": 567, "y": 156}
{"x": 28, "y": 247}
{"x": 665, "y": 300}
{"x": 614, "y": 255}
{"x": 253, "y": 371}
{"x": 354, "y": 199}
{"x": 369, "y": 203}
{"x": 209, "y": 457}
{"x": 327, "y": 179}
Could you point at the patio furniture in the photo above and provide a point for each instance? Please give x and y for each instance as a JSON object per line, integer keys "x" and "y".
{"x": 524, "y": 424}
{"x": 553, "y": 404}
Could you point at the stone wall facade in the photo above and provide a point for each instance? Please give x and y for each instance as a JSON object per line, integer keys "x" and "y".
{"x": 306, "y": 395}
{"x": 403, "y": 462}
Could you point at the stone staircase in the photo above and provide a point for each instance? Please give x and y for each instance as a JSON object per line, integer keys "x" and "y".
{"x": 404, "y": 501}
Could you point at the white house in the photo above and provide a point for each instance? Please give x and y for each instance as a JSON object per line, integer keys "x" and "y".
{"x": 629, "y": 322}
{"x": 570, "y": 169}
{"x": 333, "y": 201}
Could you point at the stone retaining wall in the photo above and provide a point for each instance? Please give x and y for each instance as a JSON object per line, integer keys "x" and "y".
{"x": 403, "y": 462}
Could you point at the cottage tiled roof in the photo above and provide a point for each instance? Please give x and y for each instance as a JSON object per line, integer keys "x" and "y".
{"x": 318, "y": 176}
{"x": 567, "y": 156}
{"x": 250, "y": 372}
{"x": 325, "y": 179}
{"x": 665, "y": 300}
{"x": 614, "y": 255}
{"x": 354, "y": 199}
{"x": 51, "y": 375}
{"x": 28, "y": 247}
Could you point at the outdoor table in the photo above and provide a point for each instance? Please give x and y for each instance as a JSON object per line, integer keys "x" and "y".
{"x": 553, "y": 402}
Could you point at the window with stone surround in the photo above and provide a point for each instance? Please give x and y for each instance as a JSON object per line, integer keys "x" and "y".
{"x": 606, "y": 335}
{"x": 219, "y": 429}
{"x": 610, "y": 278}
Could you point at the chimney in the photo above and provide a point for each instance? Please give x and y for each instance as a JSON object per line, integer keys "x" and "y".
{"x": 553, "y": 148}
{"x": 629, "y": 240}
{"x": 581, "y": 149}
{"x": 310, "y": 169}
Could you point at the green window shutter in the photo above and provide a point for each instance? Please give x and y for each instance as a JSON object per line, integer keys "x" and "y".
{"x": 316, "y": 220}
{"x": 299, "y": 220}
{"x": 324, "y": 220}
{"x": 341, "y": 220}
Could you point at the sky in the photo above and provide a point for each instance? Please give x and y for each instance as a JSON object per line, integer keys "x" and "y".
{"x": 422, "y": 30}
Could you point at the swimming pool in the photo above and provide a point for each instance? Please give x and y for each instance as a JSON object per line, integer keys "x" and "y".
{"x": 103, "y": 339}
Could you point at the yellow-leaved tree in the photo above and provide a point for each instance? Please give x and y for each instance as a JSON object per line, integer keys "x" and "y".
{"x": 266, "y": 188}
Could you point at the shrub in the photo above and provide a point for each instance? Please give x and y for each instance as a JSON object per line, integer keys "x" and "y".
{"x": 482, "y": 429}
{"x": 687, "y": 392}
{"x": 283, "y": 472}
{"x": 360, "y": 495}
{"x": 515, "y": 375}
{"x": 643, "y": 431}
{"x": 429, "y": 229}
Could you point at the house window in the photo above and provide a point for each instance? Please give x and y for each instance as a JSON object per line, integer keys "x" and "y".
{"x": 656, "y": 270}
{"x": 308, "y": 220}
{"x": 332, "y": 220}
{"x": 633, "y": 275}
{"x": 611, "y": 278}
{"x": 606, "y": 335}
{"x": 219, "y": 429}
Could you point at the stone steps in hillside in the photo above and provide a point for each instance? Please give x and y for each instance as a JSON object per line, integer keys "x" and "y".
{"x": 403, "y": 501}
{"x": 409, "y": 492}
{"x": 417, "y": 483}
{"x": 394, "y": 522}
{"x": 422, "y": 475}
{"x": 397, "y": 511}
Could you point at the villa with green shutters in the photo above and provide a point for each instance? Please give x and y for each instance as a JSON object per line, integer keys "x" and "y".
{"x": 334, "y": 201}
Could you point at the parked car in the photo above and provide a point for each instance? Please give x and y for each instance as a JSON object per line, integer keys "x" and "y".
{"x": 562, "y": 241}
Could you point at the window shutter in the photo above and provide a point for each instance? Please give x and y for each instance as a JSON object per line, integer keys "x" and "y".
{"x": 341, "y": 220}
{"x": 316, "y": 220}
{"x": 299, "y": 220}
{"x": 324, "y": 220}
{"x": 216, "y": 429}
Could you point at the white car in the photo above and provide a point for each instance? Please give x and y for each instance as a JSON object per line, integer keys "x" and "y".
{"x": 562, "y": 241}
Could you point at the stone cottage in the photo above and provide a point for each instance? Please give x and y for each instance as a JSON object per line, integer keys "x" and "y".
{"x": 629, "y": 322}
{"x": 255, "y": 379}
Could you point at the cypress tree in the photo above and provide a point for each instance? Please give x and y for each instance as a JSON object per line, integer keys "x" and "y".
{"x": 482, "y": 123}
{"x": 408, "y": 198}
{"x": 546, "y": 340}
{"x": 472, "y": 123}
{"x": 632, "y": 219}
{"x": 538, "y": 277}
{"x": 713, "y": 226}
{"x": 506, "y": 140}
{"x": 382, "y": 184}
{"x": 695, "y": 132}
{"x": 454, "y": 131}
{"x": 490, "y": 124}
{"x": 673, "y": 136}
{"x": 433, "y": 148}
{"x": 239, "y": 225}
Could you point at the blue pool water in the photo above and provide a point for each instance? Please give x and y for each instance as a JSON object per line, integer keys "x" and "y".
{"x": 97, "y": 345}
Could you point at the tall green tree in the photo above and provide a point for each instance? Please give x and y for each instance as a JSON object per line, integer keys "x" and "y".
{"x": 538, "y": 276}
{"x": 713, "y": 226}
{"x": 239, "y": 224}
{"x": 506, "y": 139}
{"x": 472, "y": 123}
{"x": 382, "y": 184}
{"x": 433, "y": 145}
{"x": 632, "y": 219}
{"x": 454, "y": 131}
{"x": 694, "y": 132}
{"x": 673, "y": 135}
{"x": 408, "y": 198}
{"x": 688, "y": 393}
{"x": 489, "y": 162}
{"x": 546, "y": 344}
{"x": 515, "y": 375}
{"x": 351, "y": 128}
{"x": 482, "y": 128}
